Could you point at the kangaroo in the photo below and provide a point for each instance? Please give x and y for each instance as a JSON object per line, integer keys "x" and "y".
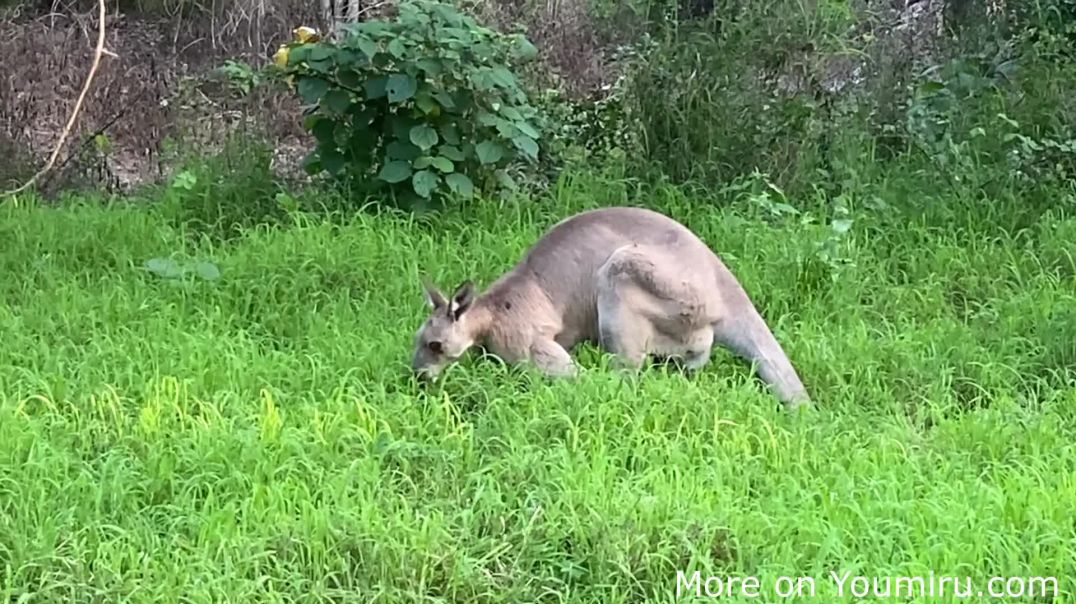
{"x": 631, "y": 280}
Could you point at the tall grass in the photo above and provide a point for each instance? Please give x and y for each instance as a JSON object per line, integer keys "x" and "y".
{"x": 256, "y": 437}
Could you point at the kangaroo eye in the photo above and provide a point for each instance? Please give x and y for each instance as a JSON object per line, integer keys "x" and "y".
{"x": 434, "y": 346}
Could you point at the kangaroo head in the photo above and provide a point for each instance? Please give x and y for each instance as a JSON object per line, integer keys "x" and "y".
{"x": 447, "y": 333}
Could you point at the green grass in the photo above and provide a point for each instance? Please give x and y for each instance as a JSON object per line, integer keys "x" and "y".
{"x": 257, "y": 439}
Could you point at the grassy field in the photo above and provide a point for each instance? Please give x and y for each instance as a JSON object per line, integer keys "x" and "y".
{"x": 257, "y": 438}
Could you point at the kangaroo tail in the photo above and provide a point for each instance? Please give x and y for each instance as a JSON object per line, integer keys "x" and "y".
{"x": 746, "y": 335}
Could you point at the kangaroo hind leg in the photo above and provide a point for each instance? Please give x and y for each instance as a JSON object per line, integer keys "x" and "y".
{"x": 648, "y": 305}
{"x": 623, "y": 329}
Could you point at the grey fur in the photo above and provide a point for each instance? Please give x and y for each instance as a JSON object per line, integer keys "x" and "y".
{"x": 632, "y": 280}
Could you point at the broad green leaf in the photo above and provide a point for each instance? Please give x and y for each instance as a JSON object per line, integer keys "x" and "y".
{"x": 298, "y": 54}
{"x": 505, "y": 179}
{"x": 526, "y": 128}
{"x": 311, "y": 163}
{"x": 450, "y": 134}
{"x": 443, "y": 164}
{"x": 489, "y": 152}
{"x": 509, "y": 112}
{"x": 431, "y": 66}
{"x": 311, "y": 90}
{"x": 362, "y": 116}
{"x": 506, "y": 128}
{"x": 487, "y": 119}
{"x": 367, "y": 46}
{"x": 332, "y": 160}
{"x": 323, "y": 130}
{"x": 502, "y": 77}
{"x": 527, "y": 145}
{"x": 421, "y": 163}
{"x": 460, "y": 184}
{"x": 207, "y": 270}
{"x": 400, "y": 87}
{"x": 397, "y": 48}
{"x": 524, "y": 49}
{"x": 931, "y": 87}
{"x": 337, "y": 100}
{"x": 320, "y": 52}
{"x": 349, "y": 78}
{"x": 402, "y": 150}
{"x": 164, "y": 267}
{"x": 423, "y": 136}
{"x": 376, "y": 88}
{"x": 425, "y": 102}
{"x": 451, "y": 152}
{"x": 395, "y": 171}
{"x": 445, "y": 99}
{"x": 424, "y": 182}
{"x": 401, "y": 126}
{"x": 841, "y": 225}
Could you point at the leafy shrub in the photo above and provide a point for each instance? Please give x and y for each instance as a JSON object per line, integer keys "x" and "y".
{"x": 222, "y": 194}
{"x": 425, "y": 104}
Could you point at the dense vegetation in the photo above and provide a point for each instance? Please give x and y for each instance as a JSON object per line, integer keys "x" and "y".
{"x": 203, "y": 387}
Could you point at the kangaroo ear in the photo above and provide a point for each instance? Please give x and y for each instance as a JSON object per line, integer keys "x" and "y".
{"x": 462, "y": 299}
{"x": 434, "y": 297}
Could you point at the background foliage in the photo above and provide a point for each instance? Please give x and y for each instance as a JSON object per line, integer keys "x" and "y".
{"x": 428, "y": 100}
{"x": 204, "y": 388}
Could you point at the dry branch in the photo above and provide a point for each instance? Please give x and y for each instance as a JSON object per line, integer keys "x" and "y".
{"x": 98, "y": 53}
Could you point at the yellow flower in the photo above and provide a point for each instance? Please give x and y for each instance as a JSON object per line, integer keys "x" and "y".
{"x": 280, "y": 57}
{"x": 304, "y": 34}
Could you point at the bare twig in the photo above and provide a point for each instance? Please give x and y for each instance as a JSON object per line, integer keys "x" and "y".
{"x": 98, "y": 53}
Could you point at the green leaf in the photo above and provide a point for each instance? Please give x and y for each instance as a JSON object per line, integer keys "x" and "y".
{"x": 402, "y": 150}
{"x": 332, "y": 160}
{"x": 445, "y": 99}
{"x": 931, "y": 87}
{"x": 424, "y": 182}
{"x": 489, "y": 152}
{"x": 207, "y": 270}
{"x": 400, "y": 87}
{"x": 841, "y": 225}
{"x": 323, "y": 130}
{"x": 422, "y": 163}
{"x": 311, "y": 90}
{"x": 164, "y": 267}
{"x": 424, "y": 136}
{"x": 362, "y": 116}
{"x": 395, "y": 171}
{"x": 311, "y": 163}
{"x": 526, "y": 128}
{"x": 337, "y": 100}
{"x": 524, "y": 50}
{"x": 505, "y": 179}
{"x": 397, "y": 48}
{"x": 443, "y": 164}
{"x": 320, "y": 52}
{"x": 401, "y": 126}
{"x": 509, "y": 112}
{"x": 426, "y": 103}
{"x": 460, "y": 184}
{"x": 451, "y": 152}
{"x": 349, "y": 78}
{"x": 450, "y": 134}
{"x": 298, "y": 54}
{"x": 376, "y": 88}
{"x": 502, "y": 77}
{"x": 367, "y": 46}
{"x": 431, "y": 66}
{"x": 527, "y": 145}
